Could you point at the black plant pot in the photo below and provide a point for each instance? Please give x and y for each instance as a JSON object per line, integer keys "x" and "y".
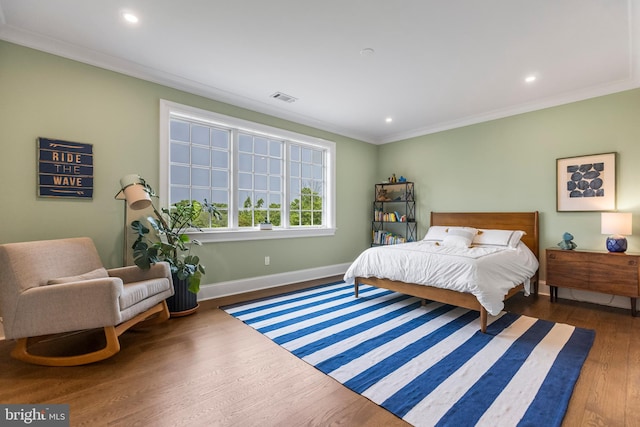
{"x": 183, "y": 302}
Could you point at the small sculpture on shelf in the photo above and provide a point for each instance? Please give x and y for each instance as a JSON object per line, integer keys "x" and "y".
{"x": 567, "y": 242}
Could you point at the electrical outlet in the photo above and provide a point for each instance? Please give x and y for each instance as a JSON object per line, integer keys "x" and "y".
{"x": 267, "y": 260}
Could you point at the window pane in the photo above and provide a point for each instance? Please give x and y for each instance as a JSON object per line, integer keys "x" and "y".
{"x": 200, "y": 177}
{"x": 261, "y": 200}
{"x": 317, "y": 218}
{"x": 179, "y": 131}
{"x": 180, "y": 175}
{"x": 260, "y": 146}
{"x": 306, "y": 155}
{"x": 317, "y": 157}
{"x": 244, "y": 199}
{"x": 179, "y": 153}
{"x": 220, "y": 138}
{"x": 317, "y": 172}
{"x": 275, "y": 149}
{"x": 245, "y": 181}
{"x": 200, "y": 194}
{"x": 220, "y": 159}
{"x": 275, "y": 183}
{"x": 306, "y": 171}
{"x": 178, "y": 194}
{"x": 295, "y": 189}
{"x": 295, "y": 153}
{"x": 260, "y": 165}
{"x": 275, "y": 166}
{"x": 246, "y": 143}
{"x": 295, "y": 170}
{"x": 260, "y": 182}
{"x": 199, "y": 156}
{"x": 260, "y": 216}
{"x": 219, "y": 179}
{"x": 220, "y": 198}
{"x": 200, "y": 135}
{"x": 245, "y": 163}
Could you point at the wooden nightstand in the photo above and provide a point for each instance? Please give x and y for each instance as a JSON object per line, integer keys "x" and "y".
{"x": 597, "y": 271}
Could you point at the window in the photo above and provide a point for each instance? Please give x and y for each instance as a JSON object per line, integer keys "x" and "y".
{"x": 250, "y": 172}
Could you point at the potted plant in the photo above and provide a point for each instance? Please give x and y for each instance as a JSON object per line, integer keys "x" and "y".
{"x": 170, "y": 243}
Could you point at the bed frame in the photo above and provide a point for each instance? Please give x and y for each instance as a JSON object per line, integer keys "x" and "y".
{"x": 525, "y": 221}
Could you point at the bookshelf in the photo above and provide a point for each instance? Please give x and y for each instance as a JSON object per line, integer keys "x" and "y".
{"x": 394, "y": 214}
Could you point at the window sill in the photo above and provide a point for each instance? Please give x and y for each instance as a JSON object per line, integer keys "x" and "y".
{"x": 255, "y": 234}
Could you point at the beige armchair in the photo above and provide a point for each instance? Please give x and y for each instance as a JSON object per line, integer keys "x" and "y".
{"x": 60, "y": 286}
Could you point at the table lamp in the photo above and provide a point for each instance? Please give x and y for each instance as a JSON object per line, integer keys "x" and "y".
{"x": 616, "y": 225}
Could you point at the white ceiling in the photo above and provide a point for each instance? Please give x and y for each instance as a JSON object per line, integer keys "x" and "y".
{"x": 436, "y": 64}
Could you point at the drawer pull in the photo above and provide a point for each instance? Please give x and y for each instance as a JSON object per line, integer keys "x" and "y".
{"x": 633, "y": 262}
{"x": 552, "y": 256}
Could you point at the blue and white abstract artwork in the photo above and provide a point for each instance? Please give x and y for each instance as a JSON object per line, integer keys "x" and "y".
{"x": 586, "y": 183}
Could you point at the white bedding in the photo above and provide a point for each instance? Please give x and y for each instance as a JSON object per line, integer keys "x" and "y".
{"x": 485, "y": 271}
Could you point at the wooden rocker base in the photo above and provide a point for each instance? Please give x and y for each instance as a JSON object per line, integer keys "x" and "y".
{"x": 156, "y": 314}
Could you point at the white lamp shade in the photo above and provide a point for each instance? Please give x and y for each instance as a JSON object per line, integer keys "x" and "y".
{"x": 134, "y": 192}
{"x": 616, "y": 223}
{"x": 137, "y": 197}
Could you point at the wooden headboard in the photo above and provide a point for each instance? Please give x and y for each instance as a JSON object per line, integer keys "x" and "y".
{"x": 525, "y": 221}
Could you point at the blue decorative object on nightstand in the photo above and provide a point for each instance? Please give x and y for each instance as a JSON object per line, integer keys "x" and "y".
{"x": 567, "y": 242}
{"x": 616, "y": 244}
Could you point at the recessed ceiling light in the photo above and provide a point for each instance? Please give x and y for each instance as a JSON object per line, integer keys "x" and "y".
{"x": 388, "y": 120}
{"x": 130, "y": 17}
{"x": 367, "y": 51}
{"x": 530, "y": 79}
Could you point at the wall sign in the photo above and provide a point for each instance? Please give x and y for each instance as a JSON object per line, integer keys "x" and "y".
{"x": 65, "y": 169}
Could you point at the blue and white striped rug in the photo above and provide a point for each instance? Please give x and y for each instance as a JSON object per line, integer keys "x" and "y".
{"x": 428, "y": 364}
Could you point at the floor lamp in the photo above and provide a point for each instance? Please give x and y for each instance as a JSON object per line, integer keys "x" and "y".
{"x": 134, "y": 191}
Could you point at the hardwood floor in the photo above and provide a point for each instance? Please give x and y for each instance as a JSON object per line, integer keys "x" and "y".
{"x": 211, "y": 370}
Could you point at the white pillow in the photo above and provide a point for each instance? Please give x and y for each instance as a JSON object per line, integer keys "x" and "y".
{"x": 436, "y": 233}
{"x": 504, "y": 238}
{"x": 460, "y": 237}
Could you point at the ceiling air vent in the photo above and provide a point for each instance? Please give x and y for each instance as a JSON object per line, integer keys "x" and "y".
{"x": 283, "y": 97}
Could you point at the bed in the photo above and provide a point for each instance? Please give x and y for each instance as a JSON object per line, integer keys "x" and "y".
{"x": 364, "y": 271}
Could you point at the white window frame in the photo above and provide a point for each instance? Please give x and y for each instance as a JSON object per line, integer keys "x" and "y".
{"x": 234, "y": 233}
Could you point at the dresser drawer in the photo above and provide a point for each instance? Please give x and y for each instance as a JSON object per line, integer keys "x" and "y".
{"x": 567, "y": 268}
{"x": 615, "y": 274}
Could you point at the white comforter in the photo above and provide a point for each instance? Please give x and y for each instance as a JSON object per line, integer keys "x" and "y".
{"x": 485, "y": 271}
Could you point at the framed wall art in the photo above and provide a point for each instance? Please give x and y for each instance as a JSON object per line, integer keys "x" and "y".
{"x": 586, "y": 183}
{"x": 65, "y": 169}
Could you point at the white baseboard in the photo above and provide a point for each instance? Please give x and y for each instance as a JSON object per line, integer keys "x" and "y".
{"x": 234, "y": 287}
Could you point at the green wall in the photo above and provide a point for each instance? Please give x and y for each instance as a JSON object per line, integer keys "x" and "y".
{"x": 43, "y": 95}
{"x": 506, "y": 164}
{"x": 510, "y": 165}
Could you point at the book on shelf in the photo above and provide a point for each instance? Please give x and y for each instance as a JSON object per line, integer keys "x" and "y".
{"x": 379, "y": 215}
{"x": 382, "y": 237}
